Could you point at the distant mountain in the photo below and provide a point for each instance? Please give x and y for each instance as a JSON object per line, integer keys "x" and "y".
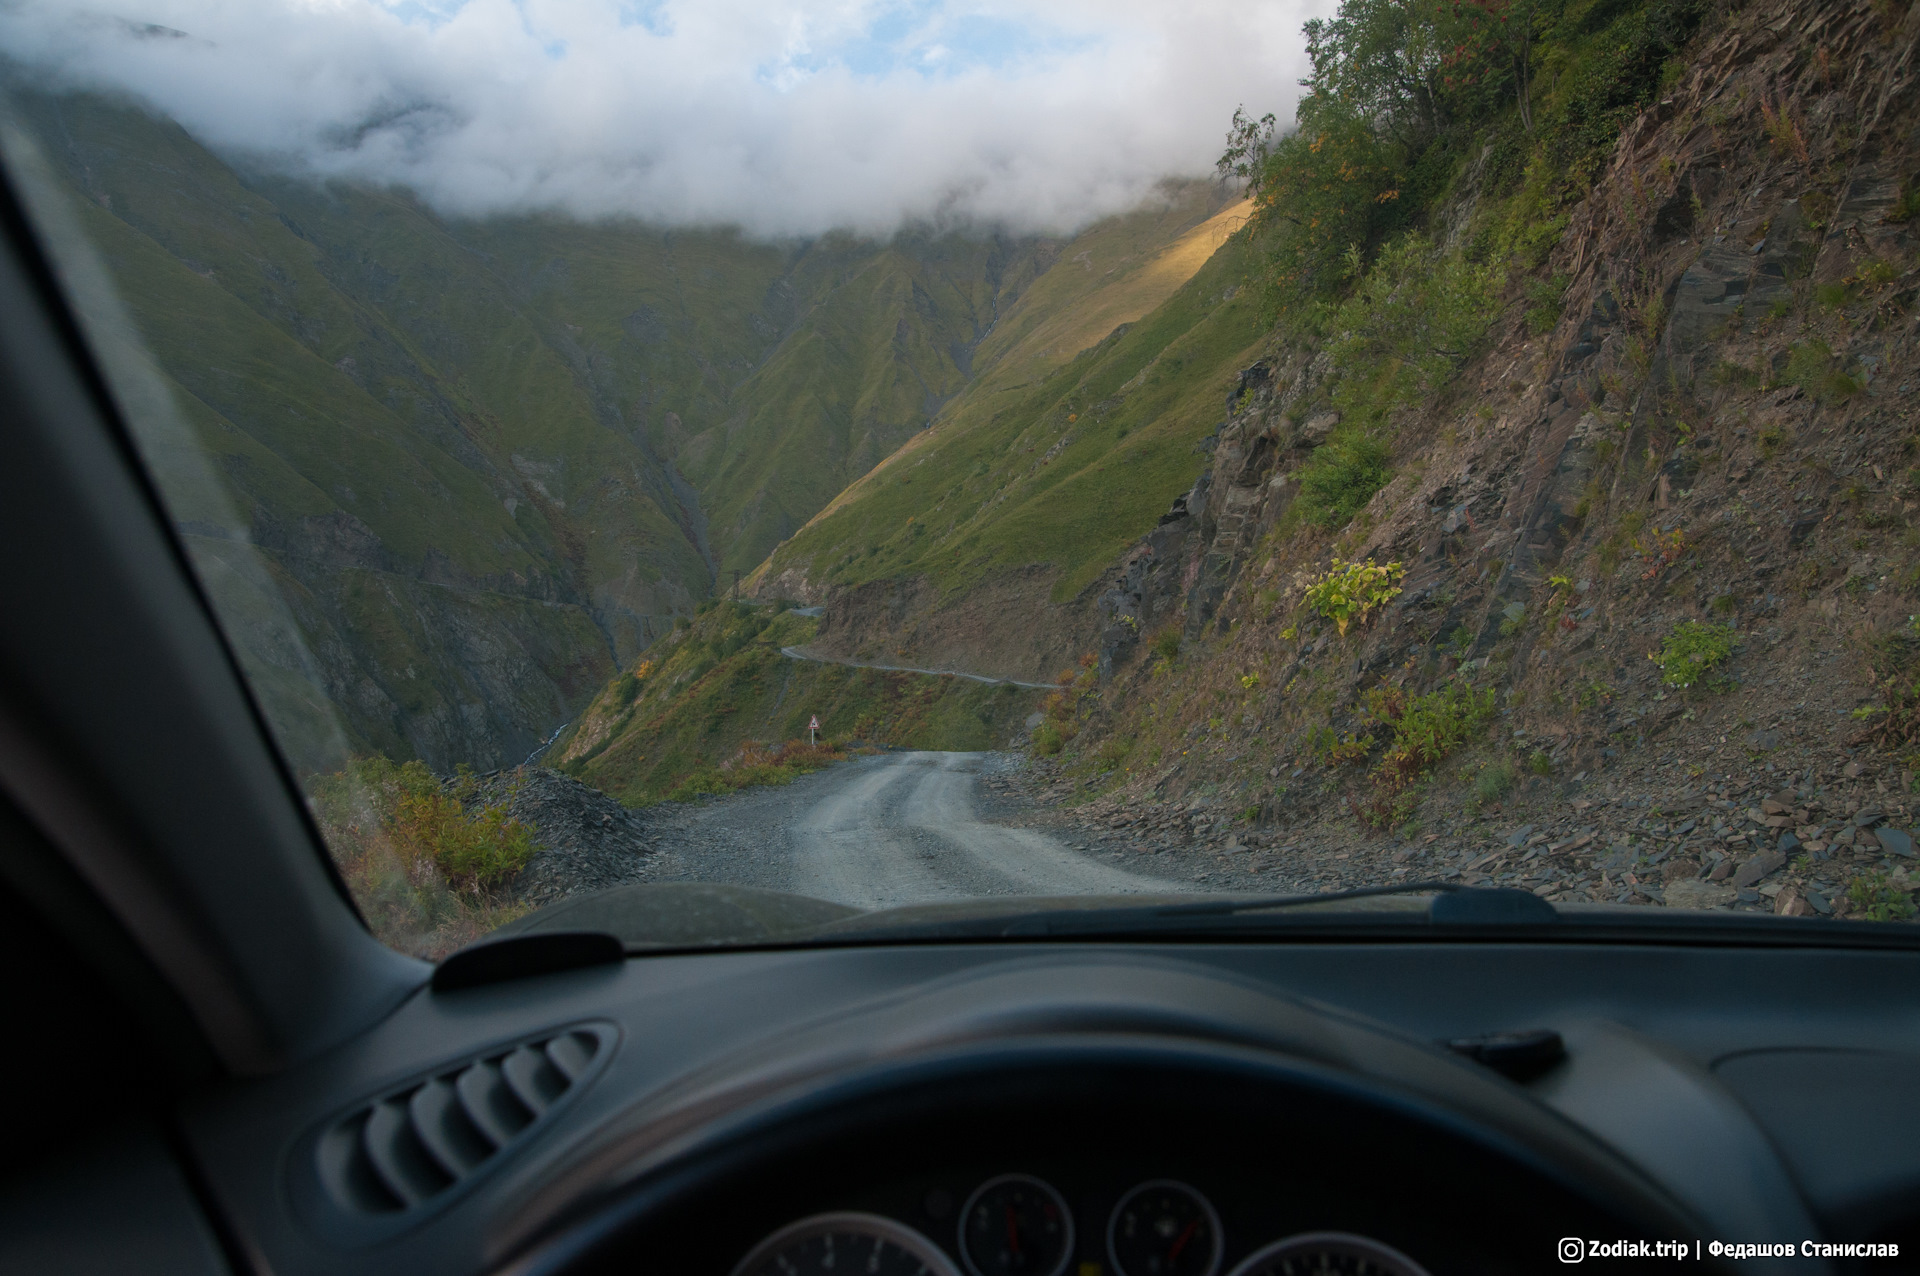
{"x": 489, "y": 462}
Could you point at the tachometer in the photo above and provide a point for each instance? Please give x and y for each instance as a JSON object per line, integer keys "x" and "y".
{"x": 1164, "y": 1228}
{"x": 1329, "y": 1254}
{"x": 843, "y": 1243}
{"x": 1016, "y": 1225}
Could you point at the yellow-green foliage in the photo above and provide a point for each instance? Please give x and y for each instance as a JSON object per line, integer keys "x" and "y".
{"x": 1691, "y": 650}
{"x": 425, "y": 862}
{"x": 1349, "y": 591}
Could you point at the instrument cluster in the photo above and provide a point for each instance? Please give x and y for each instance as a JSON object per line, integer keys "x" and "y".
{"x": 1021, "y": 1225}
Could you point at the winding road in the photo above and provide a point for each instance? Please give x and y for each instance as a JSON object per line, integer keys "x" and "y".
{"x": 878, "y": 832}
{"x": 801, "y": 653}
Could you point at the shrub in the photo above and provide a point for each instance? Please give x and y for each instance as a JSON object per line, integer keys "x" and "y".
{"x": 1047, "y": 740}
{"x": 1335, "y": 749}
{"x": 1815, "y": 369}
{"x": 1493, "y": 781}
{"x": 1341, "y": 477}
{"x": 1166, "y": 643}
{"x": 1544, "y": 304}
{"x": 1428, "y": 728}
{"x": 1414, "y": 319}
{"x": 1692, "y": 650}
{"x": 1349, "y": 591}
{"x": 423, "y": 861}
{"x": 1876, "y": 899}
{"x": 1539, "y": 763}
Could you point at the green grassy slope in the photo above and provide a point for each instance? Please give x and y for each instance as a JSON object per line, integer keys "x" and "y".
{"x": 668, "y": 727}
{"x": 1063, "y": 470}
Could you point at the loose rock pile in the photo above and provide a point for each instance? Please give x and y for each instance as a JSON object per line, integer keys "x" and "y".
{"x": 1766, "y": 842}
{"x": 586, "y": 840}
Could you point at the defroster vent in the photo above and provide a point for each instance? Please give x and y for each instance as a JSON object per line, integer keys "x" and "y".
{"x": 404, "y": 1150}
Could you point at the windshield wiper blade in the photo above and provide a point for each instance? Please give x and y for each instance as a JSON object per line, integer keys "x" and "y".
{"x": 1452, "y": 902}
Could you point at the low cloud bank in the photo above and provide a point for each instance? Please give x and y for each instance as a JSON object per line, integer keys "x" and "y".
{"x": 782, "y": 118}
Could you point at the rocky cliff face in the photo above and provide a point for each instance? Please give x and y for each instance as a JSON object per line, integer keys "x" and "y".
{"x": 1720, "y": 427}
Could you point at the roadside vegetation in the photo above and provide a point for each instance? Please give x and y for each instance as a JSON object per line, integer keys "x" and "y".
{"x": 426, "y": 860}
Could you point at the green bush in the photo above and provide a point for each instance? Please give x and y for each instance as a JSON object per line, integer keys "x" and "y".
{"x": 1815, "y": 369}
{"x": 1166, "y": 643}
{"x": 1414, "y": 318}
{"x": 1047, "y": 740}
{"x": 1876, "y": 899}
{"x": 1492, "y": 781}
{"x": 1348, "y": 591}
{"x": 1543, "y": 304}
{"x": 1692, "y": 650}
{"x": 1429, "y": 728}
{"x": 1341, "y": 477}
{"x": 424, "y": 861}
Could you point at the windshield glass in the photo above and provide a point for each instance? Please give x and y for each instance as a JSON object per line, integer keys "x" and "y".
{"x": 715, "y": 472}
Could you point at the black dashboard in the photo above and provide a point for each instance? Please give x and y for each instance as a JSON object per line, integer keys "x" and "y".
{"x": 1289, "y": 1090}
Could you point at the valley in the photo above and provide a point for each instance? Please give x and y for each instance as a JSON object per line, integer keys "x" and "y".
{"x": 486, "y": 463}
{"x": 1511, "y": 479}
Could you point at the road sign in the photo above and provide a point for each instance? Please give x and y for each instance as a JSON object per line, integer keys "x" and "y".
{"x": 813, "y": 725}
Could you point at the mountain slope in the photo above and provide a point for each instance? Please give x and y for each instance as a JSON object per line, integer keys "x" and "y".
{"x": 492, "y": 460}
{"x": 1037, "y": 476}
{"x": 1643, "y": 631}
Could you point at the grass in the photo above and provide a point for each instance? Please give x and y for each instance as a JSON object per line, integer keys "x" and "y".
{"x": 1816, "y": 370}
{"x": 1058, "y": 472}
{"x": 718, "y": 707}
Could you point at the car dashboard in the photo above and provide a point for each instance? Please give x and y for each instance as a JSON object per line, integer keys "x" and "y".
{"x": 1080, "y": 1108}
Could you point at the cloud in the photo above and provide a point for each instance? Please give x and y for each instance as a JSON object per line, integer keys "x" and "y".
{"x": 780, "y": 116}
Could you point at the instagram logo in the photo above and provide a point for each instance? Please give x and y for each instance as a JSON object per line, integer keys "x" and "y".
{"x": 1572, "y": 1249}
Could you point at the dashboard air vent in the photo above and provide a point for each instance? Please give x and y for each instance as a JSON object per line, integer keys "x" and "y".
{"x": 409, "y": 1147}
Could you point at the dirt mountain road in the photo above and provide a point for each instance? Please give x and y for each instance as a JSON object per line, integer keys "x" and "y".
{"x": 898, "y": 828}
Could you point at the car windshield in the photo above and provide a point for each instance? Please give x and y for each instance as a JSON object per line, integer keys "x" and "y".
{"x": 751, "y": 472}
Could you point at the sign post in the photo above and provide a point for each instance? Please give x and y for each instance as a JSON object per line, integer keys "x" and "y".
{"x": 813, "y": 725}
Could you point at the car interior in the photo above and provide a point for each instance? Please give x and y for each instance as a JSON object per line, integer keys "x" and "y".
{"x": 218, "y": 1069}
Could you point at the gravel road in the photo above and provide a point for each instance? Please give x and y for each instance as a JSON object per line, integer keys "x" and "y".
{"x": 882, "y": 831}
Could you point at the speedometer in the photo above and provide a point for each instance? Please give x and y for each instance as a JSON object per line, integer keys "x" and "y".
{"x": 1329, "y": 1254}
{"x": 843, "y": 1243}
